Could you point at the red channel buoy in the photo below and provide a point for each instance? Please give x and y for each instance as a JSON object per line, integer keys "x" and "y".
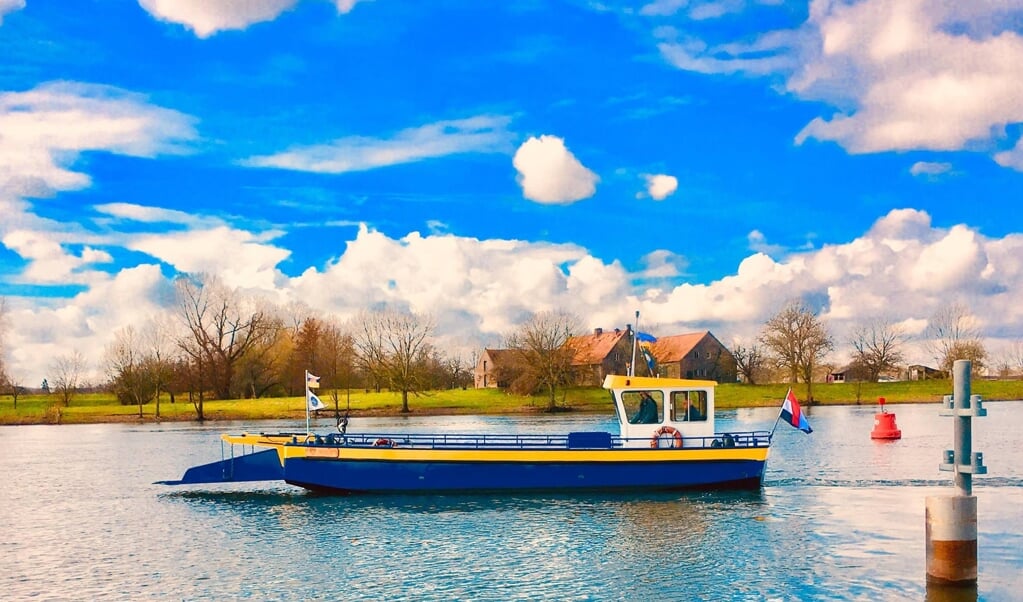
{"x": 884, "y": 424}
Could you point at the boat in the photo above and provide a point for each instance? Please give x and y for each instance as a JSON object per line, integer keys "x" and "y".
{"x": 666, "y": 440}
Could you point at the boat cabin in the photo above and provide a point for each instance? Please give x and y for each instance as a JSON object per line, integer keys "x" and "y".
{"x": 663, "y": 412}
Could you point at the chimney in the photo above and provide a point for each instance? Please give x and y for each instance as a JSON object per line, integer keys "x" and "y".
{"x": 598, "y": 331}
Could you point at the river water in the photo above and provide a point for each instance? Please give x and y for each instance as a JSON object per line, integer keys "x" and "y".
{"x": 840, "y": 517}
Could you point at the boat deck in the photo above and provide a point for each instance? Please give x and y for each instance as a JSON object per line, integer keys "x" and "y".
{"x": 575, "y": 440}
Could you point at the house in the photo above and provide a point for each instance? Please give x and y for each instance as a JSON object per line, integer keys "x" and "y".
{"x": 601, "y": 353}
{"x": 694, "y": 355}
{"x": 921, "y": 372}
{"x": 485, "y": 374}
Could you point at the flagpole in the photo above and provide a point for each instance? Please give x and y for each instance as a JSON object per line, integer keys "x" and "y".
{"x": 779, "y": 419}
{"x": 632, "y": 366}
{"x": 307, "y": 430}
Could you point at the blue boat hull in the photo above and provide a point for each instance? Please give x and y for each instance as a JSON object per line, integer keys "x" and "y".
{"x": 365, "y": 476}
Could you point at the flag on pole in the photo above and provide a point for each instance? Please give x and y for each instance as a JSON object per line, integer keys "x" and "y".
{"x": 646, "y": 338}
{"x": 651, "y": 363}
{"x": 793, "y": 414}
{"x": 313, "y": 402}
{"x": 311, "y": 381}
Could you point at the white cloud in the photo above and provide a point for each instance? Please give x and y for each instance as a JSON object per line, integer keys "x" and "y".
{"x": 480, "y": 134}
{"x": 902, "y": 268}
{"x": 42, "y": 132}
{"x": 661, "y": 8}
{"x": 549, "y": 173}
{"x": 84, "y": 323}
{"x": 45, "y": 128}
{"x": 915, "y": 74}
{"x": 346, "y": 6}
{"x": 241, "y": 259}
{"x": 770, "y": 53}
{"x": 9, "y": 6}
{"x": 928, "y": 168}
{"x": 207, "y": 17}
{"x": 661, "y": 186}
{"x": 1012, "y": 158}
{"x": 902, "y": 74}
{"x": 48, "y": 261}
{"x": 154, "y": 215}
{"x": 663, "y": 264}
{"x": 758, "y": 242}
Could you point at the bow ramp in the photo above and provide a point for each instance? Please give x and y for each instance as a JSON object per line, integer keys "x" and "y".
{"x": 259, "y": 466}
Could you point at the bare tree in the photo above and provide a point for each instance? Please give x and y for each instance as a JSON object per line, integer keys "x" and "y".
{"x": 221, "y": 329}
{"x": 67, "y": 375}
{"x": 130, "y": 369}
{"x": 799, "y": 342}
{"x": 749, "y": 361}
{"x": 394, "y": 346}
{"x": 338, "y": 361}
{"x": 159, "y": 343}
{"x": 543, "y": 360}
{"x": 1015, "y": 357}
{"x": 878, "y": 347}
{"x": 14, "y": 389}
{"x": 952, "y": 335}
{"x": 5, "y": 378}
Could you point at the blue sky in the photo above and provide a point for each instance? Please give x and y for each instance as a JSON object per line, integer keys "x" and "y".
{"x": 701, "y": 161}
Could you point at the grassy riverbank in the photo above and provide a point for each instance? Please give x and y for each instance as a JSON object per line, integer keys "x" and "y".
{"x": 99, "y": 407}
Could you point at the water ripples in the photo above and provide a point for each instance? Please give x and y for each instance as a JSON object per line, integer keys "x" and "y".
{"x": 839, "y": 517}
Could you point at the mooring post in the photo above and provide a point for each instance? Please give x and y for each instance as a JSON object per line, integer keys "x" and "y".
{"x": 952, "y": 520}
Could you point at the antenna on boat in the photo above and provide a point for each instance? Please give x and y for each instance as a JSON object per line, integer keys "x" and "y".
{"x": 632, "y": 366}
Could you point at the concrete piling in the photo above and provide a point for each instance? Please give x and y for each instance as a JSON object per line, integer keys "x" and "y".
{"x": 951, "y": 532}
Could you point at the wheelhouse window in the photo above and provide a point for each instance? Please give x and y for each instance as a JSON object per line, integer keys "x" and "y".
{"x": 689, "y": 406}
{"x": 644, "y": 407}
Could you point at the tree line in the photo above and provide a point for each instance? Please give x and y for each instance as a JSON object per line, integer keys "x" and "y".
{"x": 217, "y": 343}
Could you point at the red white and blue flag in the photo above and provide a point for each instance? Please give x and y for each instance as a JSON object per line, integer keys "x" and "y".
{"x": 793, "y": 414}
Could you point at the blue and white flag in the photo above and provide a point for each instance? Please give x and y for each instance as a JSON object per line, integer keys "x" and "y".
{"x": 314, "y": 402}
{"x": 312, "y": 381}
{"x": 645, "y": 338}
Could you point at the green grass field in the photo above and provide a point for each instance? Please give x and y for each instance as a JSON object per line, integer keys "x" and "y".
{"x": 99, "y": 407}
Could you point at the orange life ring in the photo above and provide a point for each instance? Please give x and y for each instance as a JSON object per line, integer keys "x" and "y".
{"x": 666, "y": 430}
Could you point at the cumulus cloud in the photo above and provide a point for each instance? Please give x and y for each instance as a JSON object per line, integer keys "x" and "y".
{"x": 920, "y": 74}
{"x": 480, "y": 134}
{"x": 903, "y": 269}
{"x": 9, "y": 6}
{"x": 242, "y": 259}
{"x": 927, "y": 168}
{"x": 550, "y": 174}
{"x": 207, "y": 17}
{"x": 49, "y": 262}
{"x": 901, "y": 74}
{"x": 663, "y": 264}
{"x": 660, "y": 186}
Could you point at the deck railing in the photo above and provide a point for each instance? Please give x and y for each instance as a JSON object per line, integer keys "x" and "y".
{"x": 586, "y": 440}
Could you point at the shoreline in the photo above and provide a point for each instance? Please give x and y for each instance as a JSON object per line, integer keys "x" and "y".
{"x": 219, "y": 416}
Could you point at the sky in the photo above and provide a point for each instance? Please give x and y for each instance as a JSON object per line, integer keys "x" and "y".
{"x": 702, "y": 162}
